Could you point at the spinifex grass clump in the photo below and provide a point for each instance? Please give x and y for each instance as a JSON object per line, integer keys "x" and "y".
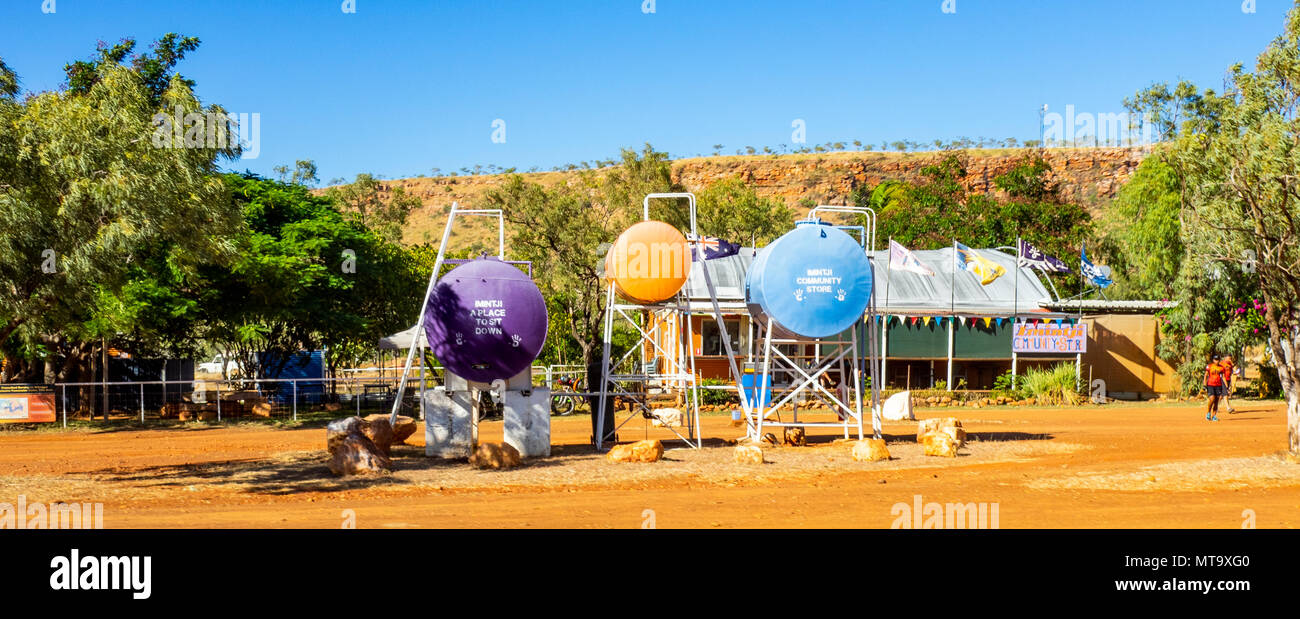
{"x": 1053, "y": 386}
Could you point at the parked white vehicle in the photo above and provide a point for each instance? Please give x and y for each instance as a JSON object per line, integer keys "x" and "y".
{"x": 216, "y": 364}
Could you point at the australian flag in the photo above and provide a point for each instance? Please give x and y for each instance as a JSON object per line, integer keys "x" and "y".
{"x": 1031, "y": 256}
{"x": 1097, "y": 275}
{"x": 715, "y": 247}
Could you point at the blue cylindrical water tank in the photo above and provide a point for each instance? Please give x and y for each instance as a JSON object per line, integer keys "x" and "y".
{"x": 813, "y": 282}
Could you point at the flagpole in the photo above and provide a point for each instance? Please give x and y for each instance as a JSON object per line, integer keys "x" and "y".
{"x": 884, "y": 340}
{"x": 889, "y": 273}
{"x": 952, "y": 311}
{"x": 1015, "y": 305}
{"x": 1015, "y": 315}
{"x": 952, "y": 282}
{"x": 1083, "y": 279}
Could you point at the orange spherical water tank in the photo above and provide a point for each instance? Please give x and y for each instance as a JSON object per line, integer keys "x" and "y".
{"x": 649, "y": 262}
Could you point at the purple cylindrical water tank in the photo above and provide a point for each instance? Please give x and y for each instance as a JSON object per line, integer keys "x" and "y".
{"x": 486, "y": 320}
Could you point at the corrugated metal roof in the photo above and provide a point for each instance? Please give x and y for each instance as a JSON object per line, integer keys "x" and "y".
{"x": 902, "y": 292}
{"x": 1109, "y": 306}
{"x": 953, "y": 290}
{"x": 728, "y": 276}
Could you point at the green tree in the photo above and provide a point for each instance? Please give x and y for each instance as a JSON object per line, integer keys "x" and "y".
{"x": 561, "y": 230}
{"x": 380, "y": 208}
{"x": 303, "y": 173}
{"x": 731, "y": 210}
{"x": 307, "y": 277}
{"x": 931, "y": 213}
{"x": 1236, "y": 159}
{"x": 85, "y": 217}
{"x": 565, "y": 230}
{"x": 8, "y": 81}
{"x": 1143, "y": 235}
{"x": 155, "y": 68}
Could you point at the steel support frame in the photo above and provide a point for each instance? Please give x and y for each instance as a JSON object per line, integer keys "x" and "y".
{"x": 682, "y": 309}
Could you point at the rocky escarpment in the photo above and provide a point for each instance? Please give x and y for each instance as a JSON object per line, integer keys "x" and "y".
{"x": 1088, "y": 176}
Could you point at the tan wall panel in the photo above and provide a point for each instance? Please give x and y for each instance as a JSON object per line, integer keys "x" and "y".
{"x": 1122, "y": 352}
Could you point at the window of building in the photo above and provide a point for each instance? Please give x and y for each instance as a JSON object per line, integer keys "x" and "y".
{"x": 711, "y": 338}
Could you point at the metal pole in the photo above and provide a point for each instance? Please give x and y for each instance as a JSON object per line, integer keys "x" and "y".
{"x": 65, "y": 406}
{"x": 717, "y": 315}
{"x": 218, "y": 401}
{"x": 884, "y": 351}
{"x": 295, "y": 400}
{"x": 1013, "y": 365}
{"x": 604, "y": 367}
{"x": 760, "y": 388}
{"x": 857, "y": 382}
{"x": 424, "y": 306}
{"x": 952, "y": 332}
{"x": 424, "y": 385}
{"x": 141, "y": 403}
{"x": 1015, "y": 314}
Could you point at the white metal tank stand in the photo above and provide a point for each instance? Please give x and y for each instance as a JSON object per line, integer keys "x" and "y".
{"x": 680, "y": 358}
{"x": 808, "y": 381}
{"x": 841, "y": 352}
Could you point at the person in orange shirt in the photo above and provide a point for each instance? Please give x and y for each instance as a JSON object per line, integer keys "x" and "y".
{"x": 1229, "y": 371}
{"x": 1213, "y": 388}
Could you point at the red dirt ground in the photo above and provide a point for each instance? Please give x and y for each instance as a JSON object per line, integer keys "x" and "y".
{"x": 1137, "y": 466}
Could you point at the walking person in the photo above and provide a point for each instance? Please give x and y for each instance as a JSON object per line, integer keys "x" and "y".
{"x": 1213, "y": 388}
{"x": 1229, "y": 373}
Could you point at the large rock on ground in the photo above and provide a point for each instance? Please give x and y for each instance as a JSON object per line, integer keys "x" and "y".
{"x": 898, "y": 407}
{"x": 796, "y": 437}
{"x": 352, "y": 452}
{"x": 648, "y": 451}
{"x": 262, "y": 409}
{"x": 640, "y": 451}
{"x": 403, "y": 430}
{"x": 355, "y": 454}
{"x": 748, "y": 454}
{"x": 942, "y": 425}
{"x": 667, "y": 418}
{"x": 339, "y": 429}
{"x": 495, "y": 456}
{"x": 870, "y": 450}
{"x": 939, "y": 444}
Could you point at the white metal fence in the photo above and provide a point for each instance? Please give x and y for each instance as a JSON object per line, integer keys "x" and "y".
{"x": 361, "y": 392}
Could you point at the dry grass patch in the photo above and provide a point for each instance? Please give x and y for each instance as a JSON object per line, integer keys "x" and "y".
{"x": 1192, "y": 475}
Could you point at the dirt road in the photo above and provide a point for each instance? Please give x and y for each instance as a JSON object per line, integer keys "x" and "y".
{"x": 1138, "y": 466}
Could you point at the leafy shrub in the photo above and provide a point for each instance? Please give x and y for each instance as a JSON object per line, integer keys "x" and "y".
{"x": 1269, "y": 384}
{"x": 1003, "y": 385}
{"x": 717, "y": 396}
{"x": 1055, "y": 385}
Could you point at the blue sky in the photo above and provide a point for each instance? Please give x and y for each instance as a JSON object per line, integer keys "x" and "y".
{"x": 400, "y": 87}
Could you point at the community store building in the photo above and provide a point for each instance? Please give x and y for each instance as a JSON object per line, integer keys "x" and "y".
{"x": 945, "y": 330}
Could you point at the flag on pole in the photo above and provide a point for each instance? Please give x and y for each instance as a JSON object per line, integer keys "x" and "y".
{"x": 715, "y": 247}
{"x": 1098, "y": 276}
{"x": 1031, "y": 256}
{"x": 982, "y": 267}
{"x": 903, "y": 259}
